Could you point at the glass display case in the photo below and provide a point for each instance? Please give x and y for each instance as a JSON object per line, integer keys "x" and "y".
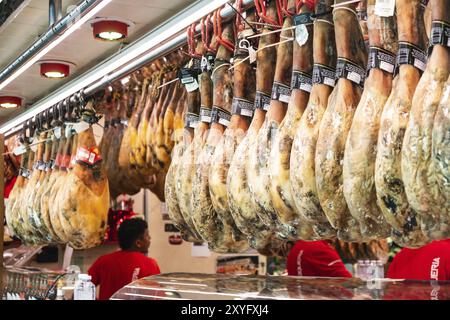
{"x": 175, "y": 286}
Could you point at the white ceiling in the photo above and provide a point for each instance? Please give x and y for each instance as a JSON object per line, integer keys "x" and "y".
{"x": 80, "y": 47}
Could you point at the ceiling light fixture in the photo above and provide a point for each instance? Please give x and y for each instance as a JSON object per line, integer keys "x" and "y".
{"x": 10, "y": 102}
{"x": 73, "y": 27}
{"x": 110, "y": 30}
{"x": 136, "y": 53}
{"x": 55, "y": 69}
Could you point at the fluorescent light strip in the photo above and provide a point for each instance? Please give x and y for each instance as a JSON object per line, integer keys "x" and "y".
{"x": 55, "y": 42}
{"x": 126, "y": 58}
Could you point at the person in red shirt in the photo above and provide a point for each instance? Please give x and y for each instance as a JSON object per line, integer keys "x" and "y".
{"x": 315, "y": 259}
{"x": 429, "y": 262}
{"x": 115, "y": 270}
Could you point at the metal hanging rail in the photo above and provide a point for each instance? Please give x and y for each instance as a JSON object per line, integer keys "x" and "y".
{"x": 157, "y": 43}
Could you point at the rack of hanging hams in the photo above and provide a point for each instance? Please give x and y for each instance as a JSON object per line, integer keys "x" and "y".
{"x": 297, "y": 119}
{"x": 61, "y": 194}
{"x": 315, "y": 120}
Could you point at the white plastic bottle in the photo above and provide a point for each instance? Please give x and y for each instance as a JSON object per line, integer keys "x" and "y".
{"x": 84, "y": 288}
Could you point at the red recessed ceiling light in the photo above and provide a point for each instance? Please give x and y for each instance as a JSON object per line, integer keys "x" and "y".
{"x": 110, "y": 30}
{"x": 55, "y": 69}
{"x": 10, "y": 102}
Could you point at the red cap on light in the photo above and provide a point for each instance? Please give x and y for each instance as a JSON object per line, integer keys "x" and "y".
{"x": 54, "y": 70}
{"x": 10, "y": 102}
{"x": 110, "y": 30}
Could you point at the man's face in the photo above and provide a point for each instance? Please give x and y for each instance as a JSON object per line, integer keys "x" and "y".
{"x": 144, "y": 243}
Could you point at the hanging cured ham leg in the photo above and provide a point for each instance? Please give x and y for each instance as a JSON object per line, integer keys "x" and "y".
{"x": 49, "y": 166}
{"x": 11, "y": 209}
{"x": 186, "y": 169}
{"x": 360, "y": 150}
{"x": 31, "y": 222}
{"x": 258, "y": 175}
{"x": 49, "y": 192}
{"x": 441, "y": 158}
{"x": 388, "y": 175}
{"x": 171, "y": 178}
{"x": 302, "y": 174}
{"x": 337, "y": 120}
{"x": 242, "y": 112}
{"x": 209, "y": 224}
{"x": 243, "y": 206}
{"x": 84, "y": 200}
{"x": 183, "y": 175}
{"x": 417, "y": 165}
{"x": 279, "y": 161}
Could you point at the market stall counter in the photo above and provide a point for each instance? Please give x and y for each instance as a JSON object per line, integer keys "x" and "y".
{"x": 192, "y": 286}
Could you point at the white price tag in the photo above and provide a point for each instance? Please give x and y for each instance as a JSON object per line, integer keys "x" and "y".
{"x": 81, "y": 126}
{"x": 329, "y": 82}
{"x": 246, "y": 112}
{"x": 192, "y": 86}
{"x": 206, "y": 119}
{"x": 386, "y": 66}
{"x": 57, "y": 132}
{"x": 284, "y": 98}
{"x": 252, "y": 54}
{"x": 224, "y": 122}
{"x": 353, "y": 76}
{"x": 301, "y": 34}
{"x": 385, "y": 8}
{"x": 19, "y": 150}
{"x": 266, "y": 106}
{"x": 306, "y": 87}
{"x": 68, "y": 132}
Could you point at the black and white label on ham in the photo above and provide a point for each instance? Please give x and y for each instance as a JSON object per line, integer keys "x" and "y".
{"x": 440, "y": 33}
{"x": 281, "y": 92}
{"x": 87, "y": 156}
{"x": 49, "y": 165}
{"x": 262, "y": 101}
{"x": 218, "y": 115}
{"x": 349, "y": 70}
{"x": 205, "y": 115}
{"x": 187, "y": 75}
{"x": 24, "y": 172}
{"x": 207, "y": 64}
{"x": 362, "y": 15}
{"x": 381, "y": 59}
{"x": 323, "y": 74}
{"x": 40, "y": 165}
{"x": 301, "y": 81}
{"x": 19, "y": 150}
{"x": 242, "y": 107}
{"x": 412, "y": 55}
{"x": 191, "y": 120}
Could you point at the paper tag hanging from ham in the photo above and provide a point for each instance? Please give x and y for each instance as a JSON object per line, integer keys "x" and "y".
{"x": 301, "y": 32}
{"x": 19, "y": 150}
{"x": 385, "y": 8}
{"x": 88, "y": 156}
{"x": 57, "y": 132}
{"x": 80, "y": 126}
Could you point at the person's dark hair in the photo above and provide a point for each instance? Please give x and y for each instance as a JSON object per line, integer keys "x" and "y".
{"x": 131, "y": 230}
